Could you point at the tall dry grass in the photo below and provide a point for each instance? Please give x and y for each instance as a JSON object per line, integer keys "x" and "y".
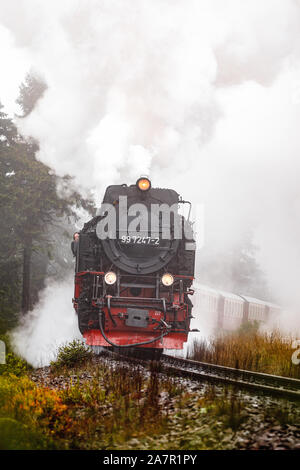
{"x": 270, "y": 353}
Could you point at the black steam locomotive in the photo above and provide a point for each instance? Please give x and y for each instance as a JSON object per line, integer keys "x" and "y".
{"x": 135, "y": 269}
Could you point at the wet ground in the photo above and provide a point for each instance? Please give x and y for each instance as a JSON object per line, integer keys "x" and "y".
{"x": 267, "y": 423}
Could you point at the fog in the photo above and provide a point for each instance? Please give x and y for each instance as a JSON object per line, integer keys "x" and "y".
{"x": 202, "y": 96}
{"x": 49, "y": 325}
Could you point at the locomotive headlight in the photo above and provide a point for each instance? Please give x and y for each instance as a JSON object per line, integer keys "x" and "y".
{"x": 144, "y": 184}
{"x": 110, "y": 278}
{"x": 167, "y": 279}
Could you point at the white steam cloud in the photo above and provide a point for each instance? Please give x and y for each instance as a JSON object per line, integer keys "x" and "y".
{"x": 203, "y": 96}
{"x": 50, "y": 325}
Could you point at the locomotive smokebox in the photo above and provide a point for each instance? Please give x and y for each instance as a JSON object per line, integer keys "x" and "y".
{"x": 145, "y": 227}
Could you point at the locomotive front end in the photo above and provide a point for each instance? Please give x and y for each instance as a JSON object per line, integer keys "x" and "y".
{"x": 134, "y": 270}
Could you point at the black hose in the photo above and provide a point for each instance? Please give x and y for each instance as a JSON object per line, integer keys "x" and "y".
{"x": 109, "y": 311}
{"x": 126, "y": 345}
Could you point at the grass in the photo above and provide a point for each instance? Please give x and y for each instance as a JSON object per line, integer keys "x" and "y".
{"x": 111, "y": 405}
{"x": 249, "y": 349}
{"x": 117, "y": 404}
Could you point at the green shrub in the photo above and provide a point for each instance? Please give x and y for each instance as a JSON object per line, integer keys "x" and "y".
{"x": 249, "y": 328}
{"x": 30, "y": 416}
{"x": 17, "y": 436}
{"x": 14, "y": 365}
{"x": 71, "y": 355}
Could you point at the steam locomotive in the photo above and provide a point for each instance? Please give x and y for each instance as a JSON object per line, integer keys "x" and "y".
{"x": 134, "y": 270}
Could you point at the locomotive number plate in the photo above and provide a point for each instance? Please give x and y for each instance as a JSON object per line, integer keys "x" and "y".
{"x": 139, "y": 240}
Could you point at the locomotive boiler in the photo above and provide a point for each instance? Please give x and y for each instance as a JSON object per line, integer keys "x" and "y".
{"x": 134, "y": 270}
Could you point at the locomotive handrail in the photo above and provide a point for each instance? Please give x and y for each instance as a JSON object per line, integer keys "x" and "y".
{"x": 177, "y": 276}
{"x": 181, "y": 201}
{"x": 128, "y": 284}
{"x": 139, "y": 301}
{"x": 122, "y": 301}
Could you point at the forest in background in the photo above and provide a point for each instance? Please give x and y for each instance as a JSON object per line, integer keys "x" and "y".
{"x": 36, "y": 223}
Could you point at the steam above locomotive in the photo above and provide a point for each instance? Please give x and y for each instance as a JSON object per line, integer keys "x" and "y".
{"x": 134, "y": 270}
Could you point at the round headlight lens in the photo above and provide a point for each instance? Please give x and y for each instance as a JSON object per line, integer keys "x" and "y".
{"x": 143, "y": 184}
{"x": 110, "y": 278}
{"x": 167, "y": 279}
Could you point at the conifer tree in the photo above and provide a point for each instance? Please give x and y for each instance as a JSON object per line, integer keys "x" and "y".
{"x": 29, "y": 203}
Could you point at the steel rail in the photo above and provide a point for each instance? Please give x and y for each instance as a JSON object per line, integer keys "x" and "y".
{"x": 256, "y": 381}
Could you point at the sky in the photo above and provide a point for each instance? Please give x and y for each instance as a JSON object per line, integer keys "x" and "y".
{"x": 201, "y": 95}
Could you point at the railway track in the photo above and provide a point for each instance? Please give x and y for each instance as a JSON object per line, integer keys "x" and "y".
{"x": 254, "y": 381}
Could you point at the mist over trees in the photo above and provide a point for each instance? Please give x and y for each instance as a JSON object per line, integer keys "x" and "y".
{"x": 233, "y": 269}
{"x": 36, "y": 224}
